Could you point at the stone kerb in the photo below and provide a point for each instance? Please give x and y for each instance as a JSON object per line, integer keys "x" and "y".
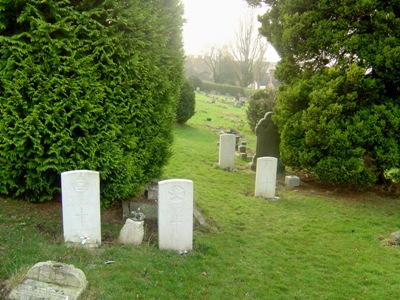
{"x": 51, "y": 281}
{"x": 80, "y": 190}
{"x": 227, "y": 144}
{"x": 175, "y": 214}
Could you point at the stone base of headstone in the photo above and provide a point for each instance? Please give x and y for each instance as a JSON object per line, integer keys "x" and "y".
{"x": 243, "y": 156}
{"x": 88, "y": 246}
{"x": 51, "y": 281}
{"x": 292, "y": 181}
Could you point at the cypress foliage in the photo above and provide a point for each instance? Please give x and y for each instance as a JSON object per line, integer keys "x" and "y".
{"x": 186, "y": 104}
{"x": 87, "y": 85}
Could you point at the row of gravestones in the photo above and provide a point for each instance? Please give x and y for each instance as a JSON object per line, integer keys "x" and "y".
{"x": 265, "y": 161}
{"x": 81, "y": 210}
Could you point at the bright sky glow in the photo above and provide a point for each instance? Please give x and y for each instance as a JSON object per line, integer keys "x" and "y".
{"x": 213, "y": 23}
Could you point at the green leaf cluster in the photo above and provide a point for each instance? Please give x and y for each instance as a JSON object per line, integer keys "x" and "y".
{"x": 259, "y": 104}
{"x": 87, "y": 85}
{"x": 339, "y": 109}
{"x": 186, "y": 103}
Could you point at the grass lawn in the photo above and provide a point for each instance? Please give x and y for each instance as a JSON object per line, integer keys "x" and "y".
{"x": 315, "y": 242}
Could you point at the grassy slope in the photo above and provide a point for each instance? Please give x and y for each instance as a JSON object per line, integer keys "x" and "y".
{"x": 302, "y": 246}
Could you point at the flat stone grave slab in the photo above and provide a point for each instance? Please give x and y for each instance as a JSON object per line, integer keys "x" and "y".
{"x": 50, "y": 281}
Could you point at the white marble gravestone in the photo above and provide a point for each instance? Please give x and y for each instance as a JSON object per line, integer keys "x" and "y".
{"x": 80, "y": 192}
{"x": 266, "y": 177}
{"x": 227, "y": 144}
{"x": 175, "y": 214}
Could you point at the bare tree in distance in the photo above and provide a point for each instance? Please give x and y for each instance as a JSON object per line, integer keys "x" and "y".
{"x": 212, "y": 58}
{"x": 248, "y": 49}
{"x": 220, "y": 63}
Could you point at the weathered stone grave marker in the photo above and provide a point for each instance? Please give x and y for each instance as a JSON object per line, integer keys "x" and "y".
{"x": 50, "y": 281}
{"x": 268, "y": 140}
{"x": 227, "y": 144}
{"x": 80, "y": 191}
{"x": 175, "y": 214}
{"x": 292, "y": 181}
{"x": 266, "y": 177}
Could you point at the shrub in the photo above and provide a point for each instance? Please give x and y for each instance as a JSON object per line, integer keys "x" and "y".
{"x": 259, "y": 104}
{"x": 87, "y": 85}
{"x": 195, "y": 81}
{"x": 335, "y": 125}
{"x": 186, "y": 104}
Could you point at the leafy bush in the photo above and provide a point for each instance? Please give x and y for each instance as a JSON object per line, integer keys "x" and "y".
{"x": 195, "y": 81}
{"x": 87, "y": 85}
{"x": 259, "y": 104}
{"x": 335, "y": 125}
{"x": 186, "y": 104}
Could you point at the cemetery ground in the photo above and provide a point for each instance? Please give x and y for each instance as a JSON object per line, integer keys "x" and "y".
{"x": 316, "y": 241}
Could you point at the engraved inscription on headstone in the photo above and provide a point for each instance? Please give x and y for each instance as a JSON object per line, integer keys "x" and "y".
{"x": 81, "y": 206}
{"x": 175, "y": 214}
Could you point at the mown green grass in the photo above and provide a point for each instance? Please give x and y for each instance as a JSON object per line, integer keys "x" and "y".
{"x": 305, "y": 245}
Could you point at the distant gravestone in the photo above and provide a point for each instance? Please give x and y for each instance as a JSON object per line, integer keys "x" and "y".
{"x": 268, "y": 140}
{"x": 227, "y": 144}
{"x": 266, "y": 177}
{"x": 81, "y": 207}
{"x": 51, "y": 281}
{"x": 175, "y": 214}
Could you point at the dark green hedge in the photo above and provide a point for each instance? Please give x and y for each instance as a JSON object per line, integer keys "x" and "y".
{"x": 87, "y": 85}
{"x": 223, "y": 89}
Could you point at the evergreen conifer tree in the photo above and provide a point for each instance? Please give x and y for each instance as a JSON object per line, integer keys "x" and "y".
{"x": 87, "y": 85}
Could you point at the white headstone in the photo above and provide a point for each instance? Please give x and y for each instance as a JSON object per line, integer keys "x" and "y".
{"x": 175, "y": 214}
{"x": 227, "y": 144}
{"x": 81, "y": 207}
{"x": 266, "y": 177}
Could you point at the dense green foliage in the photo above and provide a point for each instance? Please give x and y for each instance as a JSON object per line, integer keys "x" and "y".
{"x": 339, "y": 110}
{"x": 87, "y": 85}
{"x": 186, "y": 104}
{"x": 259, "y": 104}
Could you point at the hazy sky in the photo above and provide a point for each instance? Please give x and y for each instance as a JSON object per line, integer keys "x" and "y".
{"x": 213, "y": 22}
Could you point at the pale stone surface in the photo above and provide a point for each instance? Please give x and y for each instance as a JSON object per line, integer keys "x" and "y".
{"x": 227, "y": 144}
{"x": 132, "y": 233}
{"x": 292, "y": 181}
{"x": 175, "y": 214}
{"x": 268, "y": 139}
{"x": 266, "y": 177}
{"x": 81, "y": 206}
{"x": 51, "y": 280}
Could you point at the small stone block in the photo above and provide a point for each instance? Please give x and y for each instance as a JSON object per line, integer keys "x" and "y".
{"x": 292, "y": 181}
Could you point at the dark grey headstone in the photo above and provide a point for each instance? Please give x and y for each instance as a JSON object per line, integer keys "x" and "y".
{"x": 268, "y": 140}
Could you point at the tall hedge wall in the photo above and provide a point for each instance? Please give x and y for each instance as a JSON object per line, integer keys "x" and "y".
{"x": 87, "y": 85}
